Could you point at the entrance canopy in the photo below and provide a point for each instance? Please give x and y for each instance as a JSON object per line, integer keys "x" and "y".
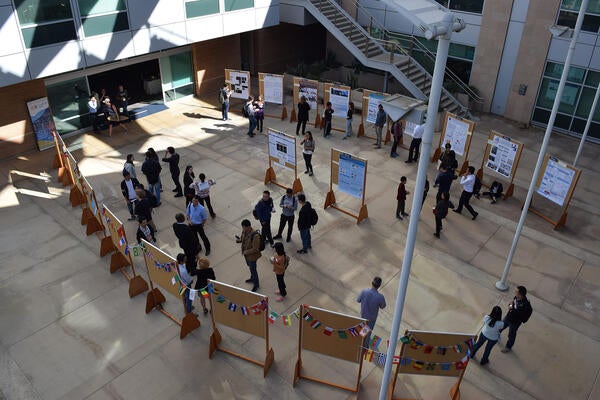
{"x": 397, "y": 106}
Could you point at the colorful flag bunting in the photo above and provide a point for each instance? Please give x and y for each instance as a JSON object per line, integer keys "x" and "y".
{"x": 328, "y": 331}
{"x": 204, "y": 293}
{"x": 308, "y": 317}
{"x": 396, "y": 360}
{"x": 287, "y": 320}
{"x": 441, "y": 350}
{"x": 244, "y": 310}
{"x": 181, "y": 289}
{"x": 273, "y": 317}
{"x": 135, "y": 251}
{"x": 381, "y": 359}
{"x": 353, "y": 331}
{"x": 428, "y": 349}
{"x": 209, "y": 288}
{"x": 220, "y": 299}
{"x": 445, "y": 366}
{"x": 418, "y": 365}
{"x": 430, "y": 367}
{"x": 126, "y": 249}
{"x": 232, "y": 306}
{"x": 364, "y": 331}
{"x": 369, "y": 355}
{"x": 375, "y": 342}
{"x": 315, "y": 324}
{"x": 458, "y": 348}
{"x": 342, "y": 334}
{"x": 297, "y": 313}
{"x": 405, "y": 339}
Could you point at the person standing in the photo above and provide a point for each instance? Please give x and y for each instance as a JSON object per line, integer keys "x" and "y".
{"x": 415, "y": 144}
{"x": 250, "y": 240}
{"x": 203, "y": 273}
{"x": 304, "y": 223}
{"x": 467, "y": 181}
{"x": 440, "y": 211}
{"x": 349, "y": 115}
{"x": 249, "y": 107}
{"x": 188, "y": 240}
{"x": 224, "y": 95}
{"x": 519, "y": 312}
{"x": 397, "y": 132}
{"x": 444, "y": 182}
{"x": 123, "y": 98}
{"x": 186, "y": 280}
{"x": 129, "y": 166}
{"x": 425, "y": 191}
{"x": 490, "y": 333}
{"x": 151, "y": 168}
{"x": 188, "y": 184}
{"x": 307, "y": 152}
{"x": 327, "y": 117}
{"x": 154, "y": 156}
{"x": 93, "y": 112}
{"x": 172, "y": 158}
{"x": 259, "y": 113}
{"x": 370, "y": 302}
{"x": 196, "y": 217}
{"x": 303, "y": 109}
{"x": 280, "y": 263}
{"x": 128, "y": 185}
{"x": 145, "y": 232}
{"x": 448, "y": 158}
{"x": 288, "y": 205}
{"x": 202, "y": 190}
{"x": 380, "y": 120}
{"x": 143, "y": 207}
{"x": 401, "y": 198}
{"x": 262, "y": 212}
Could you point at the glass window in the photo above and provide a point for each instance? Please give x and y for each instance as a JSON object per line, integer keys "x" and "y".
{"x": 575, "y": 5}
{"x": 68, "y": 101}
{"x": 585, "y": 104}
{"x": 563, "y": 121}
{"x": 40, "y": 11}
{"x": 593, "y": 78}
{"x": 554, "y": 70}
{"x": 91, "y": 7}
{"x": 108, "y": 23}
{"x": 202, "y": 7}
{"x": 472, "y": 6}
{"x": 569, "y": 98}
{"x": 177, "y": 75}
{"x": 48, "y": 34}
{"x": 232, "y": 5}
{"x": 579, "y": 126}
{"x": 462, "y": 51}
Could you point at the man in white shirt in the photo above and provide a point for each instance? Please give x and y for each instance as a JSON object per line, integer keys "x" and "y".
{"x": 467, "y": 181}
{"x": 415, "y": 144}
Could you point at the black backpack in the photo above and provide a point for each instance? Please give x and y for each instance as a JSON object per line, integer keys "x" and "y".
{"x": 527, "y": 312}
{"x": 245, "y": 111}
{"x": 262, "y": 242}
{"x": 314, "y": 217}
{"x": 477, "y": 186}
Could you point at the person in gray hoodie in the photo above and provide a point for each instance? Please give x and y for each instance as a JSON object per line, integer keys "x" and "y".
{"x": 288, "y": 205}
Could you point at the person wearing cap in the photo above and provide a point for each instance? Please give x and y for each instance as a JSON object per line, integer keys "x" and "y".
{"x": 370, "y": 302}
{"x": 203, "y": 273}
{"x": 288, "y": 205}
{"x": 128, "y": 185}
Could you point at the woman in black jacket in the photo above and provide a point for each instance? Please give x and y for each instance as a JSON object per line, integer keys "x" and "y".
{"x": 303, "y": 109}
{"x": 188, "y": 179}
{"x": 440, "y": 211}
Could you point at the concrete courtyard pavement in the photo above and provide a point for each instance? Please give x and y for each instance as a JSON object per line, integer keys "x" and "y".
{"x": 70, "y": 331}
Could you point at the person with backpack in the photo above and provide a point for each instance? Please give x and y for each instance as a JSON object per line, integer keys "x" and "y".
{"x": 262, "y": 212}
{"x": 248, "y": 112}
{"x": 307, "y": 217}
{"x": 250, "y": 240}
{"x": 151, "y": 168}
{"x": 224, "y": 95}
{"x": 288, "y": 205}
{"x": 490, "y": 333}
{"x": 280, "y": 263}
{"x": 519, "y": 312}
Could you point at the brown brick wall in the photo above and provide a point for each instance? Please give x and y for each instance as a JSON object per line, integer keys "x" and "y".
{"x": 210, "y": 58}
{"x": 16, "y": 132}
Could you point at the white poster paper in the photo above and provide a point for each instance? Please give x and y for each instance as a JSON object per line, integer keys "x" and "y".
{"x": 273, "y": 88}
{"x": 556, "y": 181}
{"x": 339, "y": 98}
{"x": 351, "y": 175}
{"x": 308, "y": 89}
{"x": 282, "y": 149}
{"x": 373, "y": 106}
{"x": 502, "y": 155}
{"x": 239, "y": 81}
{"x": 456, "y": 133}
{"x": 409, "y": 128}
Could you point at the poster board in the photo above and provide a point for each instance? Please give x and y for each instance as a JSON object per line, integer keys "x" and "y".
{"x": 434, "y": 354}
{"x": 309, "y": 89}
{"x": 239, "y": 83}
{"x": 72, "y": 177}
{"x": 121, "y": 257}
{"x": 91, "y": 215}
{"x": 271, "y": 89}
{"x": 243, "y": 310}
{"x": 57, "y": 161}
{"x": 339, "y": 96}
{"x": 458, "y": 132}
{"x": 42, "y": 122}
{"x": 162, "y": 272}
{"x": 329, "y": 333}
{"x": 557, "y": 184}
{"x": 501, "y": 159}
{"x": 281, "y": 150}
{"x": 370, "y": 104}
{"x": 349, "y": 173}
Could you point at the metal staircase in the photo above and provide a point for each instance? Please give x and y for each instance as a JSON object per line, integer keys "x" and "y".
{"x": 384, "y": 55}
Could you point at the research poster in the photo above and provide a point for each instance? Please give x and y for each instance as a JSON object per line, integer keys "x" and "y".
{"x": 309, "y": 90}
{"x": 282, "y": 150}
{"x": 43, "y": 124}
{"x": 503, "y": 153}
{"x": 409, "y": 128}
{"x": 457, "y": 133}
{"x": 339, "y": 98}
{"x": 556, "y": 181}
{"x": 373, "y": 106}
{"x": 273, "y": 88}
{"x": 351, "y": 175}
{"x": 240, "y": 84}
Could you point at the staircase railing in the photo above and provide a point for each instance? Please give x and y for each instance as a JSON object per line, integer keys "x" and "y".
{"x": 406, "y": 45}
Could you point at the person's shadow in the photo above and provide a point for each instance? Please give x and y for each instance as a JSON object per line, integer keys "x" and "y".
{"x": 200, "y": 116}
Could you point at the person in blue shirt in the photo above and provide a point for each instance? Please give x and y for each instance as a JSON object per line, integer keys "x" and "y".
{"x": 370, "y": 302}
{"x": 196, "y": 217}
{"x": 262, "y": 212}
{"x": 186, "y": 279}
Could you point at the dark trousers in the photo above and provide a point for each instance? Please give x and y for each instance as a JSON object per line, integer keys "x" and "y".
{"x": 465, "y": 197}
{"x": 259, "y": 123}
{"x": 130, "y": 207}
{"x": 488, "y": 347}
{"x": 394, "y": 147}
{"x": 400, "y": 208}
{"x": 327, "y": 131}
{"x": 253, "y": 272}
{"x": 175, "y": 177}
{"x": 512, "y": 332}
{"x": 281, "y": 285}
{"x": 187, "y": 301}
{"x": 438, "y": 225}
{"x": 306, "y": 239}
{"x": 413, "y": 150}
{"x": 438, "y": 197}
{"x": 206, "y": 199}
{"x": 267, "y": 236}
{"x": 199, "y": 229}
{"x": 300, "y": 124}
{"x": 282, "y": 221}
{"x": 308, "y": 161}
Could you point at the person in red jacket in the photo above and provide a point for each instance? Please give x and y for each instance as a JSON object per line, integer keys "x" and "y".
{"x": 401, "y": 197}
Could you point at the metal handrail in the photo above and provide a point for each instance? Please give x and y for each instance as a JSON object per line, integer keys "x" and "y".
{"x": 413, "y": 43}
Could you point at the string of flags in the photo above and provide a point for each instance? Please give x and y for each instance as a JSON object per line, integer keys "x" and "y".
{"x": 379, "y": 358}
{"x": 416, "y": 344}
